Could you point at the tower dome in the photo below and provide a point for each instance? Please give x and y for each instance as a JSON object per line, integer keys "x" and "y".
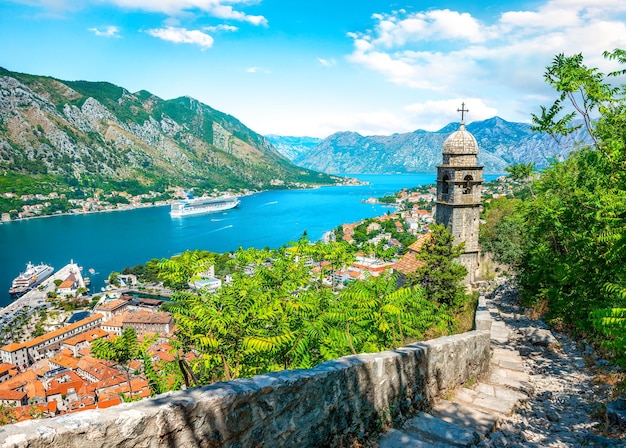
{"x": 460, "y": 142}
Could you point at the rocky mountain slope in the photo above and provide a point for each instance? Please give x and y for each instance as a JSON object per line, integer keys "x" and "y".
{"x": 500, "y": 142}
{"x": 97, "y": 131}
{"x": 293, "y": 147}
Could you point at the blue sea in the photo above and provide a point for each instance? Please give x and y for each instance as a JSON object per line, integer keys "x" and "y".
{"x": 107, "y": 242}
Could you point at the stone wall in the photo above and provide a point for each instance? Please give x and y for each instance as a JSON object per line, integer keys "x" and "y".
{"x": 323, "y": 406}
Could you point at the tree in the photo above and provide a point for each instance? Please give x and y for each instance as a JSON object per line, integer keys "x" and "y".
{"x": 575, "y": 228}
{"x": 179, "y": 270}
{"x": 501, "y": 231}
{"x": 520, "y": 171}
{"x": 7, "y": 415}
{"x": 375, "y": 315}
{"x": 124, "y": 349}
{"x": 440, "y": 275}
{"x": 113, "y": 278}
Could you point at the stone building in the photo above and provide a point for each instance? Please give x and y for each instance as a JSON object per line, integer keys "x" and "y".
{"x": 459, "y": 180}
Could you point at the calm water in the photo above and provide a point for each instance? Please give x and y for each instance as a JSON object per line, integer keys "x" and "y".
{"x": 108, "y": 242}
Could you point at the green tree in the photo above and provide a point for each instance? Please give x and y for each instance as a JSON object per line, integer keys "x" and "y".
{"x": 179, "y": 270}
{"x": 440, "y": 275}
{"x": 575, "y": 227}
{"x": 7, "y": 415}
{"x": 501, "y": 231}
{"x": 375, "y": 315}
{"x": 521, "y": 171}
{"x": 124, "y": 349}
{"x": 113, "y": 278}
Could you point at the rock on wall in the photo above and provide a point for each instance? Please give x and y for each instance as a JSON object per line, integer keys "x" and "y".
{"x": 322, "y": 406}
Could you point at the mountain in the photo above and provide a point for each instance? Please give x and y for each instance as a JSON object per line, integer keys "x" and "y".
{"x": 82, "y": 132}
{"x": 292, "y": 147}
{"x": 501, "y": 143}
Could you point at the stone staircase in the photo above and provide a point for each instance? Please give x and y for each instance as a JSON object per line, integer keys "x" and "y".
{"x": 473, "y": 411}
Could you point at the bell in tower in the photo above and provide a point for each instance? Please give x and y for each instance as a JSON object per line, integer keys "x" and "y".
{"x": 459, "y": 189}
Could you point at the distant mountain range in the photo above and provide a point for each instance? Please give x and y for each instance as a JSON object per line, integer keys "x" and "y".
{"x": 96, "y": 132}
{"x": 500, "y": 143}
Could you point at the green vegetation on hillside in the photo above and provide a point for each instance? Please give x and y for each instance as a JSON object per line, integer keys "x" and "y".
{"x": 567, "y": 239}
{"x": 275, "y": 312}
{"x": 133, "y": 143}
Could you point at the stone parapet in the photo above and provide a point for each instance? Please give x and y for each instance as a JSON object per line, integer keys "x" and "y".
{"x": 323, "y": 406}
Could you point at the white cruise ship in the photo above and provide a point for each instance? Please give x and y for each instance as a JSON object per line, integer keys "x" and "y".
{"x": 30, "y": 278}
{"x": 198, "y": 206}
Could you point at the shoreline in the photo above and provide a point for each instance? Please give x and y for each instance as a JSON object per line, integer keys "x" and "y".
{"x": 169, "y": 203}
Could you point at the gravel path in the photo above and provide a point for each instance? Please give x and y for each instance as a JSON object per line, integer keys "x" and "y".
{"x": 567, "y": 407}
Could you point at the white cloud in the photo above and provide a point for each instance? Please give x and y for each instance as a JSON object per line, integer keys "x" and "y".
{"x": 222, "y": 9}
{"x": 258, "y": 70}
{"x": 392, "y": 30}
{"x": 109, "y": 31}
{"x": 379, "y": 122}
{"x": 452, "y": 54}
{"x": 326, "y": 62}
{"x": 434, "y": 114}
{"x": 182, "y": 35}
{"x": 218, "y": 28}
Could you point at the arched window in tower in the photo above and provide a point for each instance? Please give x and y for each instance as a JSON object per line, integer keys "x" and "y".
{"x": 445, "y": 188}
{"x": 467, "y": 186}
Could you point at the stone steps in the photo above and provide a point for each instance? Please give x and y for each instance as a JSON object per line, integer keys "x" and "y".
{"x": 471, "y": 412}
{"x": 462, "y": 415}
{"x": 424, "y": 430}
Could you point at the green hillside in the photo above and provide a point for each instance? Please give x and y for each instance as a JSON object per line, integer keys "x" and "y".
{"x": 67, "y": 134}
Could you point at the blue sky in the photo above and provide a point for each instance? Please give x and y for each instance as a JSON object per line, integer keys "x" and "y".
{"x": 313, "y": 68}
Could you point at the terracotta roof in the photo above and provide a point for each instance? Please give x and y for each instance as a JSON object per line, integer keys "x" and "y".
{"x": 35, "y": 389}
{"x": 62, "y": 331}
{"x": 114, "y": 401}
{"x": 86, "y": 336}
{"x": 69, "y": 282}
{"x": 64, "y": 377}
{"x": 117, "y": 321}
{"x": 63, "y": 388}
{"x": 12, "y": 395}
{"x": 113, "y": 304}
{"x": 97, "y": 369}
{"x": 408, "y": 263}
{"x": 69, "y": 362}
{"x": 6, "y": 367}
{"x": 13, "y": 347}
{"x": 20, "y": 380}
{"x": 417, "y": 245}
{"x": 147, "y": 317}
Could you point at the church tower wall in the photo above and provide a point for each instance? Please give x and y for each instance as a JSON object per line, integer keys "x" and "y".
{"x": 459, "y": 195}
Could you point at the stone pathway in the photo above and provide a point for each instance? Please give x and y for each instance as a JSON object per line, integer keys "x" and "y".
{"x": 540, "y": 392}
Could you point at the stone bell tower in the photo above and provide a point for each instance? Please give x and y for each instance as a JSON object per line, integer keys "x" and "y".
{"x": 459, "y": 180}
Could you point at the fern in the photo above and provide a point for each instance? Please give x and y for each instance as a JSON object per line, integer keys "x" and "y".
{"x": 611, "y": 325}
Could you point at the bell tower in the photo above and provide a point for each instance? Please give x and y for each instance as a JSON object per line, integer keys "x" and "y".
{"x": 459, "y": 190}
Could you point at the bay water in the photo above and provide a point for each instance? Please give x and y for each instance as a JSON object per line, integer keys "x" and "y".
{"x": 109, "y": 241}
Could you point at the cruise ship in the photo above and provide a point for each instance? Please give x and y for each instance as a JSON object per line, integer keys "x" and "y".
{"x": 30, "y": 278}
{"x": 198, "y": 206}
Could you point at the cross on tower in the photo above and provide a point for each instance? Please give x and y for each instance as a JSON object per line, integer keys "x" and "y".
{"x": 462, "y": 110}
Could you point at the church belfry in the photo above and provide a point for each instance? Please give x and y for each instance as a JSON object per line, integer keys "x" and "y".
{"x": 459, "y": 190}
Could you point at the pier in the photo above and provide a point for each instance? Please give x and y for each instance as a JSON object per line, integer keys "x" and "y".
{"x": 36, "y": 297}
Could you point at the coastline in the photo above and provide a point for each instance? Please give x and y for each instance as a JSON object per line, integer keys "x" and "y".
{"x": 169, "y": 202}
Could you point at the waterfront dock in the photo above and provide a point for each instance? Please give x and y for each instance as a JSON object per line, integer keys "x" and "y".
{"x": 37, "y": 297}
